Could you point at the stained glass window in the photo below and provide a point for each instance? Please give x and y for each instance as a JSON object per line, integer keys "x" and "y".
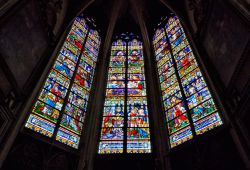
{"x": 62, "y": 103}
{"x": 188, "y": 105}
{"x": 125, "y": 122}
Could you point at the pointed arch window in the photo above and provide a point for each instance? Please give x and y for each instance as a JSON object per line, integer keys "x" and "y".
{"x": 125, "y": 122}
{"x": 61, "y": 106}
{"x": 188, "y": 104}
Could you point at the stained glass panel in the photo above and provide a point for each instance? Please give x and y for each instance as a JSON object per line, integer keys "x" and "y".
{"x": 126, "y": 90}
{"x": 184, "y": 90}
{"x": 66, "y": 91}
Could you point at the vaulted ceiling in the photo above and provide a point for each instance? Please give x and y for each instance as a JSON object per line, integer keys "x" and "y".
{"x": 103, "y": 10}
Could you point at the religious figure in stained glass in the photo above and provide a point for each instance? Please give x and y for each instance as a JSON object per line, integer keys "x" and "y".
{"x": 186, "y": 98}
{"x": 125, "y": 124}
{"x": 62, "y": 103}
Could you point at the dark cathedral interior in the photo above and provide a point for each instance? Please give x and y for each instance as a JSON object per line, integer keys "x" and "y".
{"x": 34, "y": 34}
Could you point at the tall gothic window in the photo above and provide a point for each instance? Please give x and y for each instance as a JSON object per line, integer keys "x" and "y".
{"x": 125, "y": 123}
{"x": 189, "y": 107}
{"x": 61, "y": 106}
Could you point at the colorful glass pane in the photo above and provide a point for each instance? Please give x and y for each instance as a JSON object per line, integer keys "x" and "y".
{"x": 178, "y": 123}
{"x": 67, "y": 87}
{"x": 46, "y": 111}
{"x": 113, "y": 110}
{"x": 68, "y": 137}
{"x": 126, "y": 88}
{"x": 110, "y": 133}
{"x": 184, "y": 90}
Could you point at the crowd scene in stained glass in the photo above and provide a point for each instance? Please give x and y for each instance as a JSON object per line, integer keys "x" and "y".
{"x": 125, "y": 113}
{"x": 63, "y": 100}
{"x": 187, "y": 95}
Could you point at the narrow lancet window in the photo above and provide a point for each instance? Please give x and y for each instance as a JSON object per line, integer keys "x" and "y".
{"x": 188, "y": 104}
{"x": 125, "y": 123}
{"x": 61, "y": 106}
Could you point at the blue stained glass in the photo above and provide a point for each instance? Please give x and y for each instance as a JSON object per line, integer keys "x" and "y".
{"x": 179, "y": 40}
{"x": 166, "y": 69}
{"x": 68, "y": 138}
{"x": 57, "y": 77}
{"x": 185, "y": 61}
{"x": 179, "y": 47}
{"x": 136, "y": 92}
{"x": 63, "y": 59}
{"x": 117, "y": 110}
{"x": 87, "y": 60}
{"x": 178, "y": 123}
{"x": 55, "y": 88}
{"x": 125, "y": 77}
{"x": 46, "y": 111}
{"x": 175, "y": 111}
{"x": 116, "y": 77}
{"x": 138, "y": 146}
{"x": 71, "y": 124}
{"x": 51, "y": 99}
{"x": 57, "y": 92}
{"x": 141, "y": 121}
{"x": 75, "y": 39}
{"x": 109, "y": 133}
{"x": 203, "y": 110}
{"x": 170, "y": 90}
{"x": 112, "y": 122}
{"x": 79, "y": 31}
{"x": 76, "y": 89}
{"x": 87, "y": 67}
{"x": 72, "y": 48}
{"x": 66, "y": 52}
{"x": 137, "y": 110}
{"x": 94, "y": 35}
{"x": 199, "y": 97}
{"x": 190, "y": 81}
{"x": 63, "y": 68}
{"x": 136, "y": 77}
{"x": 138, "y": 133}
{"x": 116, "y": 84}
{"x": 115, "y": 92}
{"x": 40, "y": 125}
{"x": 194, "y": 86}
{"x": 181, "y": 136}
{"x": 114, "y": 101}
{"x": 110, "y": 147}
{"x": 91, "y": 48}
{"x": 182, "y": 53}
{"x": 77, "y": 100}
{"x": 75, "y": 112}
{"x": 175, "y": 33}
{"x": 173, "y": 100}
{"x": 207, "y": 123}
{"x": 135, "y": 54}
